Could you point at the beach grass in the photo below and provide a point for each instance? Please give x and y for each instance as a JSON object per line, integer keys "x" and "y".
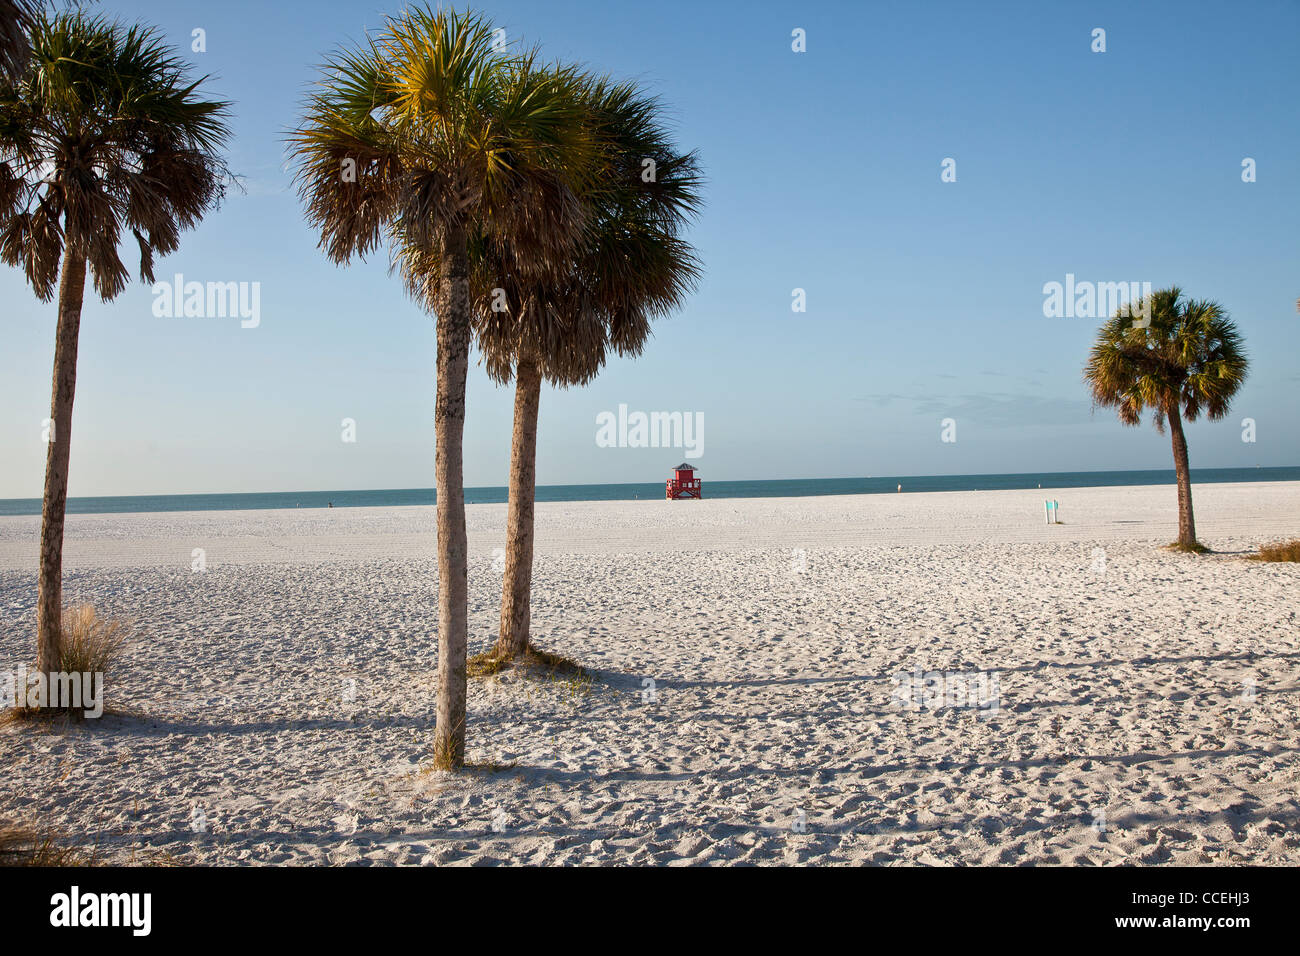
{"x": 91, "y": 644}
{"x": 38, "y": 846}
{"x": 1278, "y": 551}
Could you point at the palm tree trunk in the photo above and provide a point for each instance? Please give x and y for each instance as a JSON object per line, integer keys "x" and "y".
{"x": 516, "y": 589}
{"x": 453, "y": 559}
{"x": 1186, "y": 522}
{"x": 54, "y": 504}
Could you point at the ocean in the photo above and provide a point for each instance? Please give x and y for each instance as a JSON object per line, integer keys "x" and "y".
{"x": 780, "y": 488}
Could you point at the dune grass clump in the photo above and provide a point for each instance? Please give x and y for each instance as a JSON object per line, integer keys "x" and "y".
{"x": 23, "y": 846}
{"x": 1279, "y": 551}
{"x": 45, "y": 846}
{"x": 89, "y": 644}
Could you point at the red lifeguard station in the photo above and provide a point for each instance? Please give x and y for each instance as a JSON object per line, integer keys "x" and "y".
{"x": 684, "y": 484}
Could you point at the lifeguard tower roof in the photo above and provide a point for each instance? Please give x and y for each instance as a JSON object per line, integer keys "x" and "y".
{"x": 685, "y": 467}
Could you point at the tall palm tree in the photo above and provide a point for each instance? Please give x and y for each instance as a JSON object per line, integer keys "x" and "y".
{"x": 631, "y": 267}
{"x": 16, "y": 18}
{"x": 450, "y": 142}
{"x": 105, "y": 131}
{"x": 1186, "y": 359}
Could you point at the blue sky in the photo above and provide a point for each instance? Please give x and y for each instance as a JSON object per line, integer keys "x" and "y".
{"x": 924, "y": 298}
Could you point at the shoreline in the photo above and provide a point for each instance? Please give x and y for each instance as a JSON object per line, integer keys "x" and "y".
{"x": 630, "y": 491}
{"x": 1233, "y": 512}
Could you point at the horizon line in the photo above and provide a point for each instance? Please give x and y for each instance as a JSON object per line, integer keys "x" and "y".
{"x": 656, "y": 482}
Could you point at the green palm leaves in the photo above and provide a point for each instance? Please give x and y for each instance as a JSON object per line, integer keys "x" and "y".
{"x": 428, "y": 129}
{"x": 631, "y": 263}
{"x": 1188, "y": 357}
{"x": 103, "y": 133}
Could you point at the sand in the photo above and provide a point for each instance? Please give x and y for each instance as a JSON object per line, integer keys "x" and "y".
{"x": 277, "y": 707}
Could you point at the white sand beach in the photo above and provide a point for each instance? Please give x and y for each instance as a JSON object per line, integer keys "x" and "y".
{"x": 278, "y": 706}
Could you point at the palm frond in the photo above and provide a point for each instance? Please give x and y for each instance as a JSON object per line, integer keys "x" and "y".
{"x": 16, "y": 18}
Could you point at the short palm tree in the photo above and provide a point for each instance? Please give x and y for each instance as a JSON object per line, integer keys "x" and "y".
{"x": 104, "y": 132}
{"x": 632, "y": 266}
{"x": 450, "y": 143}
{"x": 16, "y": 18}
{"x": 1181, "y": 357}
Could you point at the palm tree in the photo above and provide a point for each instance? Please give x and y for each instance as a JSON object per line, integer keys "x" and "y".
{"x": 449, "y": 143}
{"x": 632, "y": 266}
{"x": 104, "y": 131}
{"x": 1183, "y": 357}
